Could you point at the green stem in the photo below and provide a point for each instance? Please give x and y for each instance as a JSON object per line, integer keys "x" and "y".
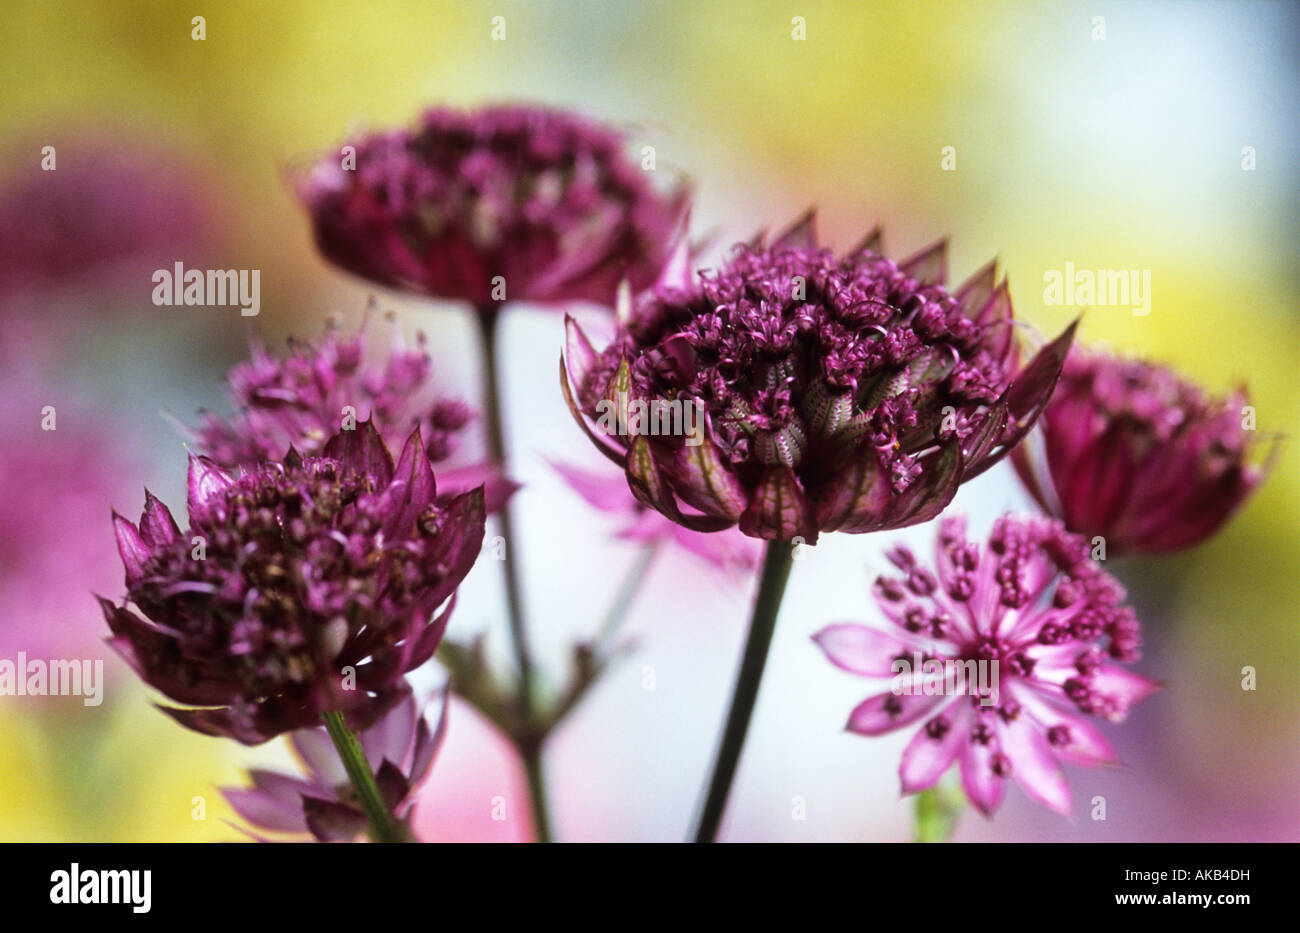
{"x": 626, "y": 594}
{"x": 532, "y": 758}
{"x": 488, "y": 317}
{"x": 771, "y": 587}
{"x": 382, "y": 826}
{"x": 936, "y": 814}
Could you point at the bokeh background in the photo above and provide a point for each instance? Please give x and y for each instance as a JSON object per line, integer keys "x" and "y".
{"x": 1124, "y": 152}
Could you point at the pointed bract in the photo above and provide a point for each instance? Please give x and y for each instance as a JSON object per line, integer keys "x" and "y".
{"x": 802, "y": 234}
{"x": 157, "y": 527}
{"x": 929, "y": 266}
{"x": 206, "y": 486}
{"x": 363, "y": 452}
{"x": 131, "y": 547}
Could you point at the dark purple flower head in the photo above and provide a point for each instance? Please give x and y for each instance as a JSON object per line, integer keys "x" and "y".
{"x": 302, "y": 400}
{"x": 301, "y": 586}
{"x": 828, "y": 394}
{"x": 1139, "y": 456}
{"x": 546, "y": 199}
{"x": 1050, "y": 630}
{"x": 400, "y": 748}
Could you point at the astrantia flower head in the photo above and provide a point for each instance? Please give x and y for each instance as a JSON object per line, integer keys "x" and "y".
{"x": 400, "y": 749}
{"x": 826, "y": 394}
{"x": 302, "y": 586}
{"x": 300, "y": 401}
{"x": 545, "y": 199}
{"x": 1050, "y": 629}
{"x": 1134, "y": 453}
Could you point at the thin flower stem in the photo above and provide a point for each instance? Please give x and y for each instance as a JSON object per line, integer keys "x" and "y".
{"x": 532, "y": 758}
{"x": 771, "y": 587}
{"x": 631, "y": 585}
{"x": 488, "y": 318}
{"x": 382, "y": 826}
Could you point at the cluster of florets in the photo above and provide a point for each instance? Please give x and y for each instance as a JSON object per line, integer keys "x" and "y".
{"x": 301, "y": 586}
{"x": 1134, "y": 453}
{"x": 546, "y": 202}
{"x": 847, "y": 393}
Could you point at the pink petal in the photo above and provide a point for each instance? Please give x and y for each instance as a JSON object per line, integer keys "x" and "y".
{"x": 316, "y": 750}
{"x": 497, "y": 488}
{"x": 267, "y": 812}
{"x": 859, "y": 649}
{"x": 926, "y": 758}
{"x": 427, "y": 744}
{"x": 1123, "y": 687}
{"x": 886, "y": 712}
{"x": 727, "y": 550}
{"x": 1034, "y": 766}
{"x": 983, "y": 787}
{"x": 391, "y": 737}
{"x": 1085, "y": 745}
{"x": 607, "y": 493}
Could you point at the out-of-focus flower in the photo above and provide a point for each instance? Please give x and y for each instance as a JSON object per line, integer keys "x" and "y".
{"x": 400, "y": 749}
{"x": 301, "y": 586}
{"x": 47, "y": 560}
{"x": 728, "y": 550}
{"x": 1134, "y": 453}
{"x": 109, "y": 203}
{"x": 546, "y": 199}
{"x": 302, "y": 400}
{"x": 806, "y": 393}
{"x": 1003, "y": 652}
